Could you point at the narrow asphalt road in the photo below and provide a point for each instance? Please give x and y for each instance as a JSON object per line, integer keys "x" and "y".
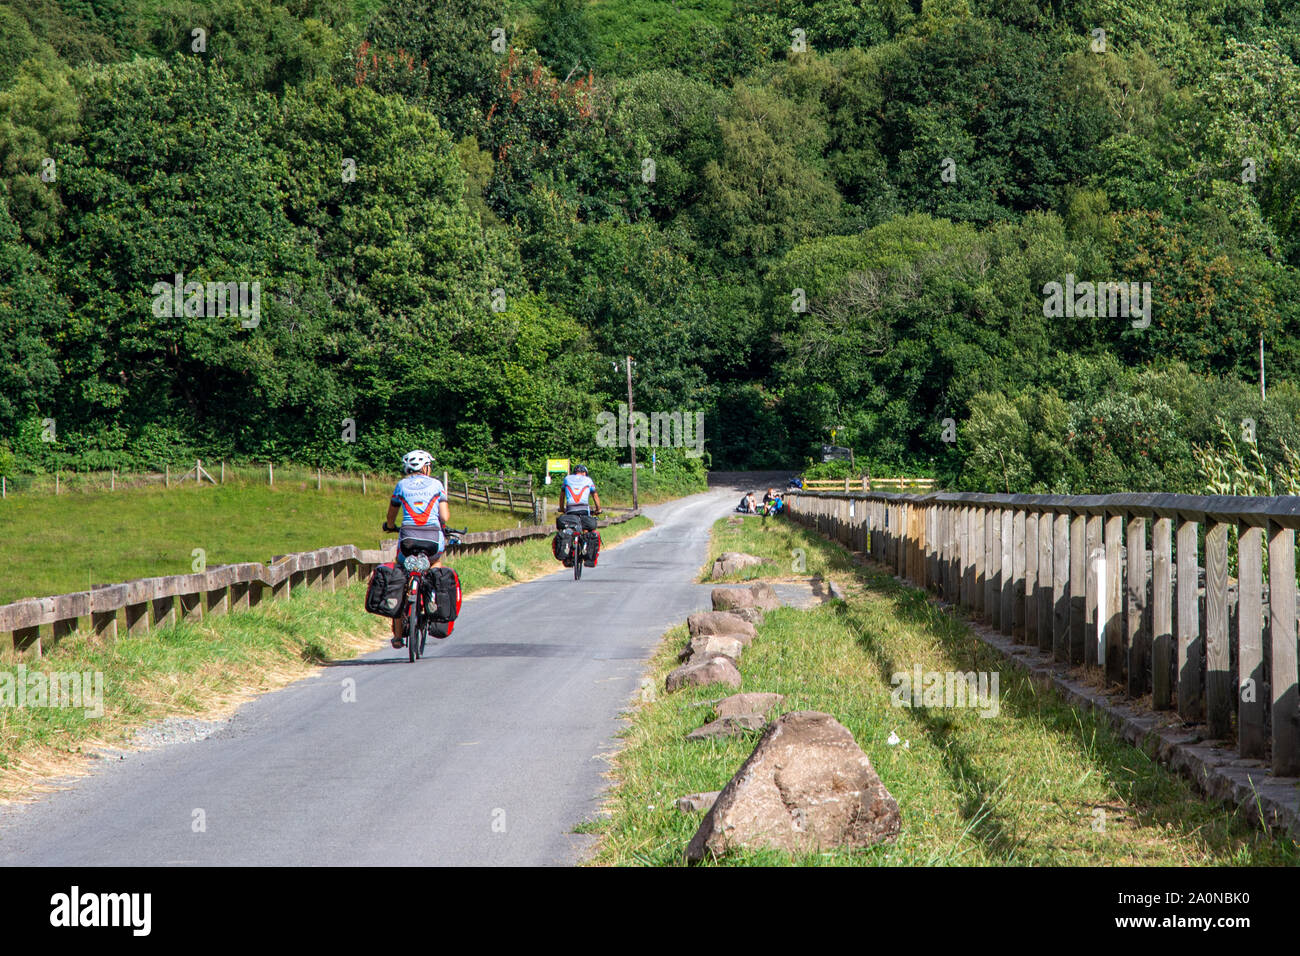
{"x": 487, "y": 752}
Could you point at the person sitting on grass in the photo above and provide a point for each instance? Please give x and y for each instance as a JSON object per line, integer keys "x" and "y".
{"x": 772, "y": 503}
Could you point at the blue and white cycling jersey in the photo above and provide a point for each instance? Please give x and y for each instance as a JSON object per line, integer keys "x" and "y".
{"x": 420, "y": 496}
{"x": 577, "y": 490}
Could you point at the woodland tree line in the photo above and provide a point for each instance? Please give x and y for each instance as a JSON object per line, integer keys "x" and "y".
{"x": 459, "y": 233}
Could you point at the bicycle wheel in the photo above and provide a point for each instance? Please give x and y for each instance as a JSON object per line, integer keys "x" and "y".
{"x": 412, "y": 620}
{"x": 577, "y": 558}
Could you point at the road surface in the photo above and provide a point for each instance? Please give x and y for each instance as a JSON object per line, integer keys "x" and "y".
{"x": 487, "y": 752}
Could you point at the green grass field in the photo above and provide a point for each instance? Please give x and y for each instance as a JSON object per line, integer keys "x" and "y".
{"x": 203, "y": 669}
{"x": 52, "y": 545}
{"x": 1037, "y": 784}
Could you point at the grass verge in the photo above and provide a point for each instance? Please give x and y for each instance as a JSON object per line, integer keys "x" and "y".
{"x": 781, "y": 545}
{"x": 209, "y": 668}
{"x": 1038, "y": 784}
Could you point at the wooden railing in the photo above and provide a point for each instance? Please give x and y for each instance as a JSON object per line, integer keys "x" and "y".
{"x": 159, "y": 602}
{"x": 514, "y": 492}
{"x": 1058, "y": 572}
{"x": 868, "y": 483}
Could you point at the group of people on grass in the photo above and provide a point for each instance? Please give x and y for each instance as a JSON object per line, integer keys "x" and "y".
{"x": 772, "y": 504}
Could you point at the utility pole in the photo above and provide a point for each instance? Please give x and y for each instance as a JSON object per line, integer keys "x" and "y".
{"x": 631, "y": 433}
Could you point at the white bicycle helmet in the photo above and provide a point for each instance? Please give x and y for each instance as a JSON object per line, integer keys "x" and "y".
{"x": 415, "y": 460}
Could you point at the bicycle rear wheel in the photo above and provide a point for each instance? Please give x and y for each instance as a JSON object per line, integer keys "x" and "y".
{"x": 577, "y": 558}
{"x": 412, "y": 630}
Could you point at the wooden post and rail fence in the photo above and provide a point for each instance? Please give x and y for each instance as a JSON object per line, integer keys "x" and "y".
{"x": 1134, "y": 585}
{"x": 499, "y": 490}
{"x": 868, "y": 483}
{"x": 148, "y": 603}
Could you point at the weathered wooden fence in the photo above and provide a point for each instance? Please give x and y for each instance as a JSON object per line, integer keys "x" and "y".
{"x": 1136, "y": 585}
{"x": 868, "y": 483}
{"x": 514, "y": 492}
{"x": 158, "y": 602}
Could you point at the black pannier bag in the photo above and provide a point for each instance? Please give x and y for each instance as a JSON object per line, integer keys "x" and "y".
{"x": 592, "y": 549}
{"x": 386, "y": 593}
{"x": 442, "y": 584}
{"x": 561, "y": 544}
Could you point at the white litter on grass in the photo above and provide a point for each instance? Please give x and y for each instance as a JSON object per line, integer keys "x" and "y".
{"x": 893, "y": 739}
{"x": 907, "y": 745}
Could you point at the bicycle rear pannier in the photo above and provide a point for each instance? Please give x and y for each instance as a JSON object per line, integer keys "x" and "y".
{"x": 444, "y": 586}
{"x": 386, "y": 592}
{"x": 562, "y": 544}
{"x": 591, "y": 550}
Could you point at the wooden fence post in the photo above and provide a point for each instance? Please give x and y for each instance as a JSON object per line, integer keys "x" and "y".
{"x": 1281, "y": 611}
{"x": 1007, "y": 611}
{"x": 1251, "y": 741}
{"x": 1139, "y": 614}
{"x": 1046, "y": 578}
{"x": 1218, "y": 684}
{"x": 1189, "y": 623}
{"x": 1064, "y": 584}
{"x": 1095, "y": 551}
{"x": 1029, "y": 610}
{"x": 1114, "y": 609}
{"x": 1162, "y": 612}
{"x": 992, "y": 525}
{"x": 1019, "y": 572}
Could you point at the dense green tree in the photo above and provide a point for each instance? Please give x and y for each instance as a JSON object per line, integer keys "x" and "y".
{"x": 31, "y": 314}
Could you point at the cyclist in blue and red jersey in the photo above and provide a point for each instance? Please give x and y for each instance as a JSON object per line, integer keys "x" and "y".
{"x": 578, "y": 493}
{"x": 422, "y": 501}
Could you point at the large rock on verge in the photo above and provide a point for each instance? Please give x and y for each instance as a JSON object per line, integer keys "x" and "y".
{"x": 721, "y": 622}
{"x": 738, "y": 704}
{"x": 729, "y": 727}
{"x": 760, "y": 595}
{"x": 806, "y": 787}
{"x": 712, "y": 645}
{"x": 754, "y": 615}
{"x": 765, "y": 598}
{"x": 729, "y": 562}
{"x": 711, "y": 670}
